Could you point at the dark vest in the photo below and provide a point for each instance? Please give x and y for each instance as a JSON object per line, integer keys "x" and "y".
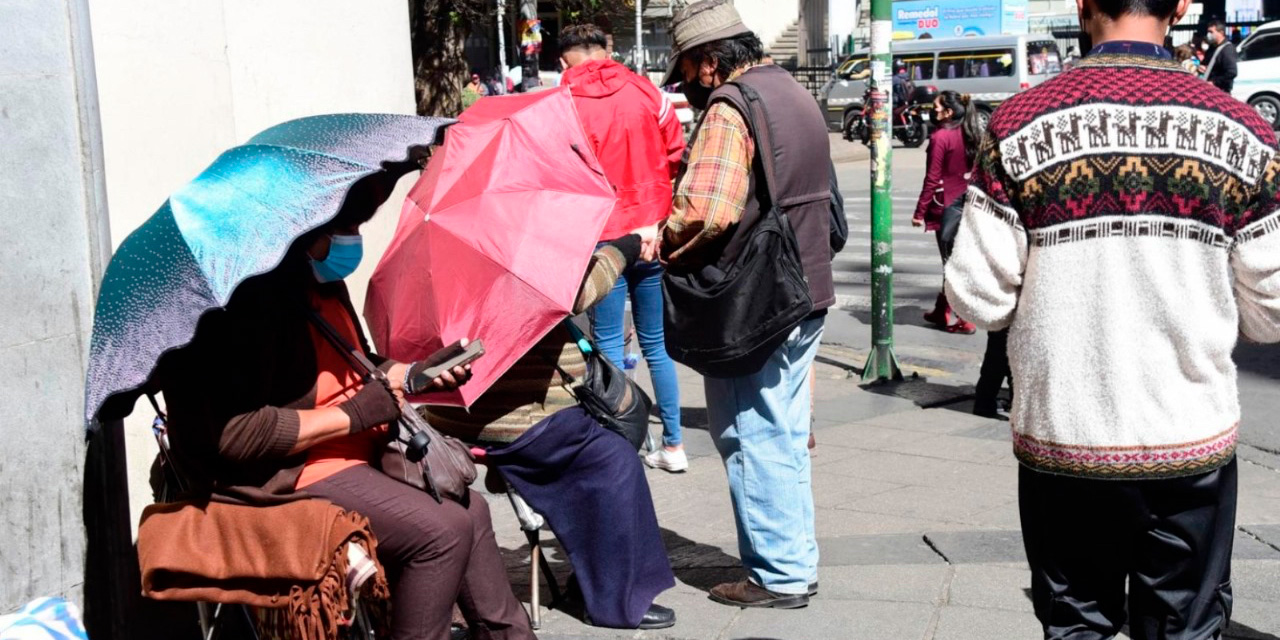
{"x": 802, "y": 156}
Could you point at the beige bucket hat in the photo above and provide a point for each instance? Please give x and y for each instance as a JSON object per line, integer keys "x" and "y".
{"x": 698, "y": 23}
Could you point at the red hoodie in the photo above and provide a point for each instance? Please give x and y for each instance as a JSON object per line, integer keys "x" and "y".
{"x": 636, "y": 135}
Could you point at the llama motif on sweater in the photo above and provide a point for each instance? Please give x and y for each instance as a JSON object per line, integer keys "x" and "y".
{"x": 1124, "y": 223}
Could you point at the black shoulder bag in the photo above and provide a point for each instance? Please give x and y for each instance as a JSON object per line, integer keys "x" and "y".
{"x": 726, "y": 320}
{"x": 606, "y": 393}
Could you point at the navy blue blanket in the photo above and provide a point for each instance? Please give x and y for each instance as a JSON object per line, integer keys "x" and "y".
{"x": 590, "y": 486}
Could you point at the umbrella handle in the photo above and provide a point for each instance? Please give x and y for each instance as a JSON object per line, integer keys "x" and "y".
{"x": 594, "y": 166}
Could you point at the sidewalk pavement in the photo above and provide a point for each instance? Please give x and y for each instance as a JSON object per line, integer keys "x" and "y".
{"x": 917, "y": 522}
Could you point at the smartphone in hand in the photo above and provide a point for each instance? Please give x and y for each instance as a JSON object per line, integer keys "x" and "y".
{"x": 454, "y": 355}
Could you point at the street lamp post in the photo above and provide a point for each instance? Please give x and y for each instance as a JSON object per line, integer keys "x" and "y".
{"x": 502, "y": 45}
{"x": 882, "y": 364}
{"x": 639, "y": 37}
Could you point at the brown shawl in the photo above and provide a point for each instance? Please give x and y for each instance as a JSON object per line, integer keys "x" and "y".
{"x": 291, "y": 556}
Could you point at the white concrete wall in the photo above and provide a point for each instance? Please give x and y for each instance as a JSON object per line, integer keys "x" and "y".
{"x": 843, "y": 17}
{"x": 768, "y": 18}
{"x": 52, "y": 209}
{"x": 182, "y": 80}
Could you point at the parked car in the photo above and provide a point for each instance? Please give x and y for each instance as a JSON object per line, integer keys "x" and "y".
{"x": 1258, "y": 82}
{"x": 990, "y": 68}
{"x": 683, "y": 111}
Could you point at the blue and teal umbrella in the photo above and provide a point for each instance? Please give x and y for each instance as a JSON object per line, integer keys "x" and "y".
{"x": 236, "y": 220}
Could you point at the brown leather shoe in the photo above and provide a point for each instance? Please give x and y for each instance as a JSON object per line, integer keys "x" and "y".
{"x": 746, "y": 593}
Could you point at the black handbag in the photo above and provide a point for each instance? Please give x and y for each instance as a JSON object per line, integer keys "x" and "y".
{"x": 726, "y": 320}
{"x": 417, "y": 454}
{"x": 951, "y": 216}
{"x": 607, "y": 394}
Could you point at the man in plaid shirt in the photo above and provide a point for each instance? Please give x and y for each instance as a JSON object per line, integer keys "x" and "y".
{"x": 759, "y": 420}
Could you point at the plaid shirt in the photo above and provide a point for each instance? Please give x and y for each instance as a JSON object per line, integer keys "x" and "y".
{"x": 710, "y": 197}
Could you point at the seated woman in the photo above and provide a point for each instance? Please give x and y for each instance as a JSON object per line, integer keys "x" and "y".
{"x": 558, "y": 457}
{"x": 263, "y": 410}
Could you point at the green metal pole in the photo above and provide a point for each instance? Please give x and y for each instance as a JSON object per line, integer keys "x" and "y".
{"x": 882, "y": 364}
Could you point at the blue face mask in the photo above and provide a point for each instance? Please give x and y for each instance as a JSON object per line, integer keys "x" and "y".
{"x": 344, "y": 256}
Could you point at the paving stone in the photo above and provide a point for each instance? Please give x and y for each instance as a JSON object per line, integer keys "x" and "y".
{"x": 904, "y": 548}
{"x": 899, "y": 468}
{"x": 1257, "y": 580}
{"x": 946, "y": 447}
{"x": 891, "y": 583}
{"x": 1259, "y": 481}
{"x": 992, "y": 586}
{"x": 844, "y": 521}
{"x": 870, "y": 437}
{"x": 943, "y": 420}
{"x": 952, "y": 504}
{"x": 971, "y": 623}
{"x": 1269, "y": 533}
{"x": 840, "y": 410}
{"x": 1248, "y": 547}
{"x": 993, "y": 430}
{"x": 973, "y": 547}
{"x": 832, "y": 491}
{"x": 1254, "y": 620}
{"x": 830, "y": 619}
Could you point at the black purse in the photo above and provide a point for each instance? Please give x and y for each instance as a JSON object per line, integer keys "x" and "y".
{"x": 726, "y": 320}
{"x": 607, "y": 394}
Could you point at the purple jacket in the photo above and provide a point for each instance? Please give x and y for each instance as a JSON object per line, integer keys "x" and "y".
{"x": 947, "y": 176}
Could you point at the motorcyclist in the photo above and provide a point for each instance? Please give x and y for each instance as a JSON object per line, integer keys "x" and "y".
{"x": 901, "y": 85}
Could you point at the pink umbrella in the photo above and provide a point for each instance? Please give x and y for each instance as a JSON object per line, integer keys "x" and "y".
{"x": 494, "y": 239}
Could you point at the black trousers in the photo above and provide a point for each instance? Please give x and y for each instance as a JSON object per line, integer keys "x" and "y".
{"x": 995, "y": 369}
{"x": 1171, "y": 539}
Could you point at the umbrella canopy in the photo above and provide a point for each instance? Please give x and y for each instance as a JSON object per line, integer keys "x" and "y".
{"x": 236, "y": 220}
{"x": 494, "y": 238}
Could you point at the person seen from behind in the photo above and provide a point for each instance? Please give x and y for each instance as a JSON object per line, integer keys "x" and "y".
{"x": 1125, "y": 276}
{"x": 949, "y": 160}
{"x": 637, "y": 136}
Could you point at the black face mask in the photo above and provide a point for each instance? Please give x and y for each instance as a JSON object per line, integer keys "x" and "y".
{"x": 697, "y": 95}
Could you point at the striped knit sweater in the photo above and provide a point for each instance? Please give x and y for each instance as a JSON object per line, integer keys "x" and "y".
{"x": 533, "y": 389}
{"x": 1124, "y": 223}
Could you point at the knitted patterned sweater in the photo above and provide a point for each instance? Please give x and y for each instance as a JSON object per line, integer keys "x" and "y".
{"x": 1124, "y": 223}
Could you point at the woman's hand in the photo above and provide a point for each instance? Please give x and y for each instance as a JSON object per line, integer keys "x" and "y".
{"x": 648, "y": 242}
{"x": 918, "y": 222}
{"x": 446, "y": 381}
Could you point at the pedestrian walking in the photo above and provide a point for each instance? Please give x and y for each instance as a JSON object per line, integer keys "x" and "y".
{"x": 1221, "y": 69}
{"x": 1123, "y": 222}
{"x": 638, "y": 139}
{"x": 949, "y": 159}
{"x": 762, "y": 140}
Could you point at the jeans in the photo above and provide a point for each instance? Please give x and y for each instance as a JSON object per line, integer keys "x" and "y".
{"x": 760, "y": 424}
{"x": 643, "y": 282}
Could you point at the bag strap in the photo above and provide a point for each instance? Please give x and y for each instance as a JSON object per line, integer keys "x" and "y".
{"x": 585, "y": 346}
{"x": 756, "y": 119}
{"x": 355, "y": 357}
{"x": 160, "y": 430}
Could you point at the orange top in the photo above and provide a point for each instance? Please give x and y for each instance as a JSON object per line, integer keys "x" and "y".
{"x": 336, "y": 382}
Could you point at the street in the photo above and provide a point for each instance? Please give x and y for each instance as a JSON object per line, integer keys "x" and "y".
{"x": 916, "y": 498}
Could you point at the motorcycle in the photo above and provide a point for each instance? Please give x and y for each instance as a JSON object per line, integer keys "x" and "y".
{"x": 909, "y": 120}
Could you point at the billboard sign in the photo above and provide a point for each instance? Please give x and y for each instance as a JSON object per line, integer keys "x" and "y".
{"x": 914, "y": 19}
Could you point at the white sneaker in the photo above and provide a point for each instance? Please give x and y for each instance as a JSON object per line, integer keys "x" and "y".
{"x": 673, "y": 461}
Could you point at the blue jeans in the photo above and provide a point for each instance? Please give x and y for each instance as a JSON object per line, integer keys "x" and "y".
{"x": 760, "y": 424}
{"x": 643, "y": 282}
